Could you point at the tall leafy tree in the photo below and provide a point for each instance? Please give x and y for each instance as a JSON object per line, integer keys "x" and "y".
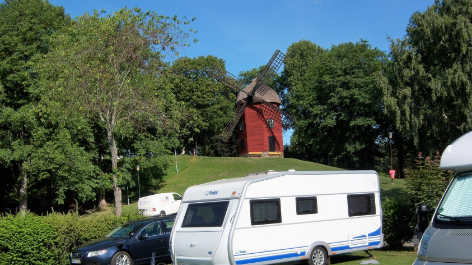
{"x": 429, "y": 93}
{"x": 108, "y": 67}
{"x": 25, "y": 29}
{"x": 338, "y": 109}
{"x": 209, "y": 104}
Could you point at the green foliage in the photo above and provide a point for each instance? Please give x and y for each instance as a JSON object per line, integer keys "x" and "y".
{"x": 25, "y": 28}
{"x": 426, "y": 182}
{"x": 27, "y": 240}
{"x": 49, "y": 239}
{"x": 396, "y": 219}
{"x": 338, "y": 110}
{"x": 73, "y": 230}
{"x": 208, "y": 104}
{"x": 428, "y": 88}
{"x": 108, "y": 68}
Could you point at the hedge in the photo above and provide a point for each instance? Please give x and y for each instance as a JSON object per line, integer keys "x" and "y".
{"x": 33, "y": 239}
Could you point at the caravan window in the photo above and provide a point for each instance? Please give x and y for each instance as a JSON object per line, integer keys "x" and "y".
{"x": 306, "y": 205}
{"x": 265, "y": 211}
{"x": 209, "y": 214}
{"x": 361, "y": 204}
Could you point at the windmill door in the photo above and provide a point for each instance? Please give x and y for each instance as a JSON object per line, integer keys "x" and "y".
{"x": 271, "y": 143}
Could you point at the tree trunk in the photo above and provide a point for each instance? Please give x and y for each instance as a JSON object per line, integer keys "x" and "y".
{"x": 23, "y": 194}
{"x": 49, "y": 195}
{"x": 102, "y": 203}
{"x": 114, "y": 165}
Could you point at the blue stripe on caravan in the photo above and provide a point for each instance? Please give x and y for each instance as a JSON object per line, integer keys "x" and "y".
{"x": 376, "y": 232}
{"x": 292, "y": 255}
{"x": 335, "y": 249}
{"x": 282, "y": 249}
{"x": 270, "y": 258}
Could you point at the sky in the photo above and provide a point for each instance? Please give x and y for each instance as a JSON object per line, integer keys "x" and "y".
{"x": 245, "y": 33}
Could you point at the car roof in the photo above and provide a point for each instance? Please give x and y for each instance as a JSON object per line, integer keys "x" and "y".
{"x": 146, "y": 220}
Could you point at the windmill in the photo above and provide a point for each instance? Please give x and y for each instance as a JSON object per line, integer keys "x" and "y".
{"x": 257, "y": 112}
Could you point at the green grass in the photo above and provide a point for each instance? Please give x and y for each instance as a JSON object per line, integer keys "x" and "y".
{"x": 197, "y": 170}
{"x": 406, "y": 256}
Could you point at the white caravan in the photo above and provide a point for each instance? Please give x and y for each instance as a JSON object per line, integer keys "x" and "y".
{"x": 448, "y": 237}
{"x": 160, "y": 204}
{"x": 275, "y": 217}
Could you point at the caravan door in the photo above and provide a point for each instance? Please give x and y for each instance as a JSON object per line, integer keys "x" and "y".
{"x": 199, "y": 232}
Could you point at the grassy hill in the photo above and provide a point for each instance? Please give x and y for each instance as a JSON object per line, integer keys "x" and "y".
{"x": 197, "y": 170}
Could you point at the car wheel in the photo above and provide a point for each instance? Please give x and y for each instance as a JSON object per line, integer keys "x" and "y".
{"x": 162, "y": 214}
{"x": 318, "y": 257}
{"x": 121, "y": 258}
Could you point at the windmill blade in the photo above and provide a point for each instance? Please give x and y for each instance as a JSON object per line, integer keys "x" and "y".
{"x": 230, "y": 126}
{"x": 273, "y": 65}
{"x": 273, "y": 112}
{"x": 288, "y": 120}
{"x": 287, "y": 115}
{"x": 226, "y": 78}
{"x": 262, "y": 88}
{"x": 270, "y": 111}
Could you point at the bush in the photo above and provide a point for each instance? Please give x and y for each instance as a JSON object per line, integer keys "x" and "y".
{"x": 74, "y": 230}
{"x": 49, "y": 239}
{"x": 396, "y": 219}
{"x": 27, "y": 240}
{"x": 426, "y": 182}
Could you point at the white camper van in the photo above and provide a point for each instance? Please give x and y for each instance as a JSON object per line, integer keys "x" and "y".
{"x": 275, "y": 217}
{"x": 160, "y": 204}
{"x": 448, "y": 237}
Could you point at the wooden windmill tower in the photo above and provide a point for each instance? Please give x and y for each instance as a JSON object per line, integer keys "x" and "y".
{"x": 258, "y": 117}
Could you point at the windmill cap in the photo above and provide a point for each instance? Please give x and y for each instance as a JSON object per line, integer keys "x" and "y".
{"x": 270, "y": 96}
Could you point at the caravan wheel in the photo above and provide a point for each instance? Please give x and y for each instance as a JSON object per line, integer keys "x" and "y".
{"x": 318, "y": 257}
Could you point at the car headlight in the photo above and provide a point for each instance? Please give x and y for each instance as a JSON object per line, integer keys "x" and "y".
{"x": 96, "y": 253}
{"x": 424, "y": 244}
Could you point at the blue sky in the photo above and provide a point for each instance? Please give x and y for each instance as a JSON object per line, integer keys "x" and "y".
{"x": 245, "y": 33}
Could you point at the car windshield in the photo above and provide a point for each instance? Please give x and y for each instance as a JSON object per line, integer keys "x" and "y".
{"x": 456, "y": 207}
{"x": 125, "y": 230}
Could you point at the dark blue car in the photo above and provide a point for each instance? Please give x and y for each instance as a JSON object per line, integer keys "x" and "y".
{"x": 139, "y": 242}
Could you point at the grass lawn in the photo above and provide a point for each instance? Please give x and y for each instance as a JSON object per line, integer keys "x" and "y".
{"x": 197, "y": 170}
{"x": 406, "y": 256}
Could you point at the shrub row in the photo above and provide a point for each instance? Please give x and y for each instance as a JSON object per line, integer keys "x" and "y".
{"x": 32, "y": 239}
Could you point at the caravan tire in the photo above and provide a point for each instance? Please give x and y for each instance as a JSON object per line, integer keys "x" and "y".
{"x": 318, "y": 257}
{"x": 162, "y": 214}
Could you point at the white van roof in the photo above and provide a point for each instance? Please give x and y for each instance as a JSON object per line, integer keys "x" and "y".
{"x": 458, "y": 155}
{"x": 156, "y": 195}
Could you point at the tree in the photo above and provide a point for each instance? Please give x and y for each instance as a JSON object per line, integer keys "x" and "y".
{"x": 108, "y": 67}
{"x": 209, "y": 104}
{"x": 338, "y": 110}
{"x": 25, "y": 28}
{"x": 429, "y": 93}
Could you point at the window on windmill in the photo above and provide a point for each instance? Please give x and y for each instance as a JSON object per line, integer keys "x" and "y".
{"x": 241, "y": 126}
{"x": 270, "y": 123}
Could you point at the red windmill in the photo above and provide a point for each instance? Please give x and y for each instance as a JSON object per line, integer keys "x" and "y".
{"x": 258, "y": 116}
